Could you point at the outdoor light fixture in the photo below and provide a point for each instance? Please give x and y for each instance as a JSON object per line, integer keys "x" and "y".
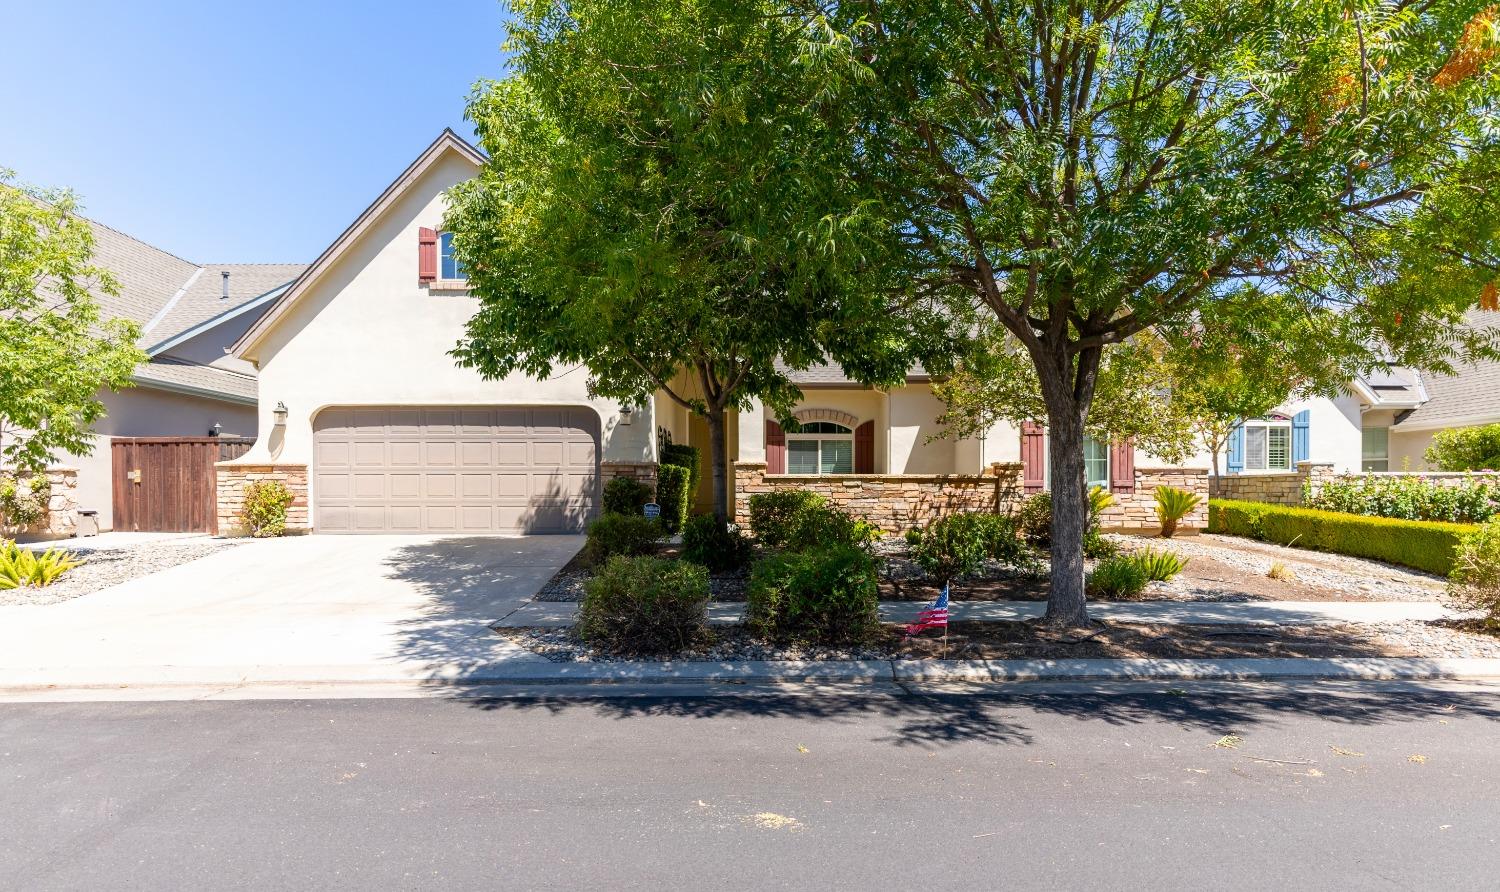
{"x": 280, "y": 413}
{"x": 625, "y": 412}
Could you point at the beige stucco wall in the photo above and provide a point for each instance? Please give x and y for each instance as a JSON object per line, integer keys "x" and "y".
{"x": 143, "y": 412}
{"x": 1409, "y": 449}
{"x": 367, "y": 333}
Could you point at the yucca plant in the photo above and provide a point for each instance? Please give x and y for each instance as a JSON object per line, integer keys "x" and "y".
{"x": 1159, "y": 566}
{"x": 22, "y": 566}
{"x": 1172, "y": 505}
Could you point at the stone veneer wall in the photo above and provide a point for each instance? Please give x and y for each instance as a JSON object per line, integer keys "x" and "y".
{"x": 1281, "y": 488}
{"x": 893, "y": 502}
{"x": 1136, "y": 510}
{"x": 62, "y": 508}
{"x": 644, "y": 471}
{"x": 232, "y": 480}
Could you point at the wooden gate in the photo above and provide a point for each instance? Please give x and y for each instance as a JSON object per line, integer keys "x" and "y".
{"x": 168, "y": 484}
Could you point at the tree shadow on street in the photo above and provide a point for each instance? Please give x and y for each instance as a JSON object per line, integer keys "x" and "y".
{"x": 997, "y": 716}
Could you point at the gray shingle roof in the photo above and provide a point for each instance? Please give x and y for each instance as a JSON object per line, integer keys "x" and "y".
{"x": 178, "y": 374}
{"x": 1470, "y": 397}
{"x": 168, "y": 295}
{"x": 832, "y": 374}
{"x": 204, "y": 299}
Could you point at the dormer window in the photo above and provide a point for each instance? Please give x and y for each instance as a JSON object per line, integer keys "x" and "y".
{"x": 450, "y": 269}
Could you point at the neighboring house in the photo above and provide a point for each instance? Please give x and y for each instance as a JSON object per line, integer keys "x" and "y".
{"x": 188, "y": 313}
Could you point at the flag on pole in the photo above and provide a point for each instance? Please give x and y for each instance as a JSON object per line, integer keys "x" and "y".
{"x": 933, "y": 616}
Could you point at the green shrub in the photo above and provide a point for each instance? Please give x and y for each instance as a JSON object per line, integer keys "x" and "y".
{"x": 1117, "y": 578}
{"x": 673, "y": 495}
{"x": 828, "y": 595}
{"x": 1408, "y": 497}
{"x": 626, "y": 495}
{"x": 774, "y": 515}
{"x": 684, "y": 457}
{"x": 1034, "y": 523}
{"x": 23, "y": 501}
{"x": 1034, "y": 520}
{"x": 1475, "y": 581}
{"x": 20, "y": 567}
{"x": 796, "y": 519}
{"x": 622, "y": 534}
{"x": 1172, "y": 505}
{"x": 1159, "y": 566}
{"x": 264, "y": 510}
{"x": 1421, "y": 544}
{"x": 1466, "y": 449}
{"x": 955, "y": 546}
{"x": 714, "y": 545}
{"x": 644, "y": 605}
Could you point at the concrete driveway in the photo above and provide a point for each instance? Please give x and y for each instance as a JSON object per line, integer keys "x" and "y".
{"x": 303, "y": 609}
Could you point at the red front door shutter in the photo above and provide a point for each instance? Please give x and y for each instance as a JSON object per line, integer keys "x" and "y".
{"x": 775, "y": 449}
{"x": 427, "y": 255}
{"x": 1121, "y": 467}
{"x": 1033, "y": 456}
{"x": 864, "y": 448}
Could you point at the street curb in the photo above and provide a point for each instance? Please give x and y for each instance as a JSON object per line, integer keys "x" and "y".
{"x": 666, "y": 674}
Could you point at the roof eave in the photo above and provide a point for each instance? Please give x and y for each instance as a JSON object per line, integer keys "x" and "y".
{"x": 188, "y": 334}
{"x": 189, "y": 390}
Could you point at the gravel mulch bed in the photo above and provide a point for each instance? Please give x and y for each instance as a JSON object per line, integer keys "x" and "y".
{"x": 1440, "y": 638}
{"x": 108, "y": 567}
{"x": 1220, "y": 569}
{"x": 1011, "y": 641}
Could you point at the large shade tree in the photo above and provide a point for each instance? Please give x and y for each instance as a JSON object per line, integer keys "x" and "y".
{"x": 656, "y": 208}
{"x": 1081, "y": 171}
{"x": 56, "y": 349}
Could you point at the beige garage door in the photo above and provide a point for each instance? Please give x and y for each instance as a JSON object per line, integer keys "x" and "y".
{"x": 446, "y": 469}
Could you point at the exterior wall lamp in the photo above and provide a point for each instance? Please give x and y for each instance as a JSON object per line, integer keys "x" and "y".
{"x": 280, "y": 413}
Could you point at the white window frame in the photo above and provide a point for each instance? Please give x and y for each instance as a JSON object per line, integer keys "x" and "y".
{"x": 819, "y": 438}
{"x": 1267, "y": 425}
{"x": 443, "y": 281}
{"x": 1109, "y": 466}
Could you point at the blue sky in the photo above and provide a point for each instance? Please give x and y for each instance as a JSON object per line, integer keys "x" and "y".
{"x": 235, "y": 132}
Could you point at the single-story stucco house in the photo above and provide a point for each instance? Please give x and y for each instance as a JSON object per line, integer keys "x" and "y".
{"x": 364, "y": 415}
{"x": 188, "y": 313}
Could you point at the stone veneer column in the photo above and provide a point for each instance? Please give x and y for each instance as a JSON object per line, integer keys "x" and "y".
{"x": 232, "y": 480}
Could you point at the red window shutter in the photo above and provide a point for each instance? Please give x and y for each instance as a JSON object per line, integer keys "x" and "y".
{"x": 1033, "y": 456}
{"x": 427, "y": 259}
{"x": 775, "y": 449}
{"x": 864, "y": 448}
{"x": 1121, "y": 467}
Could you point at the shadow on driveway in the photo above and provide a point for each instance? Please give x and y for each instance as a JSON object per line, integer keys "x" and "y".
{"x": 470, "y": 582}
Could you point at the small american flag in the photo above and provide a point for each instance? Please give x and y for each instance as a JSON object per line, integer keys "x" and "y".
{"x": 933, "y": 616}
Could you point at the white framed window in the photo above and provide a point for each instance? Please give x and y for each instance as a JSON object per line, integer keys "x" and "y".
{"x": 820, "y": 447}
{"x": 1268, "y": 445}
{"x": 1095, "y": 463}
{"x": 450, "y": 269}
{"x": 1375, "y": 449}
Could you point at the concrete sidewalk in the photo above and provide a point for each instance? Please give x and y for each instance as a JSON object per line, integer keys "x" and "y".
{"x": 556, "y": 614}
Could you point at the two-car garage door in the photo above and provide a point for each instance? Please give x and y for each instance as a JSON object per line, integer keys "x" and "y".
{"x": 454, "y": 469}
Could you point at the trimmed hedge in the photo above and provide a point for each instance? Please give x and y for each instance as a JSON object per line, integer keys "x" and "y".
{"x": 673, "y": 495}
{"x": 684, "y": 457}
{"x": 1422, "y": 544}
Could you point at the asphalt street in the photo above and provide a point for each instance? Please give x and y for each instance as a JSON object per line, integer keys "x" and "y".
{"x": 1020, "y": 787}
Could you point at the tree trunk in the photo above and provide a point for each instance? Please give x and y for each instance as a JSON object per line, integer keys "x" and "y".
{"x": 719, "y": 463}
{"x": 1068, "y": 605}
{"x": 1067, "y": 384}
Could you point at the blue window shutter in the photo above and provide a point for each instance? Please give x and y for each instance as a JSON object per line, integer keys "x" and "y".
{"x": 1236, "y": 462}
{"x": 1301, "y": 436}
